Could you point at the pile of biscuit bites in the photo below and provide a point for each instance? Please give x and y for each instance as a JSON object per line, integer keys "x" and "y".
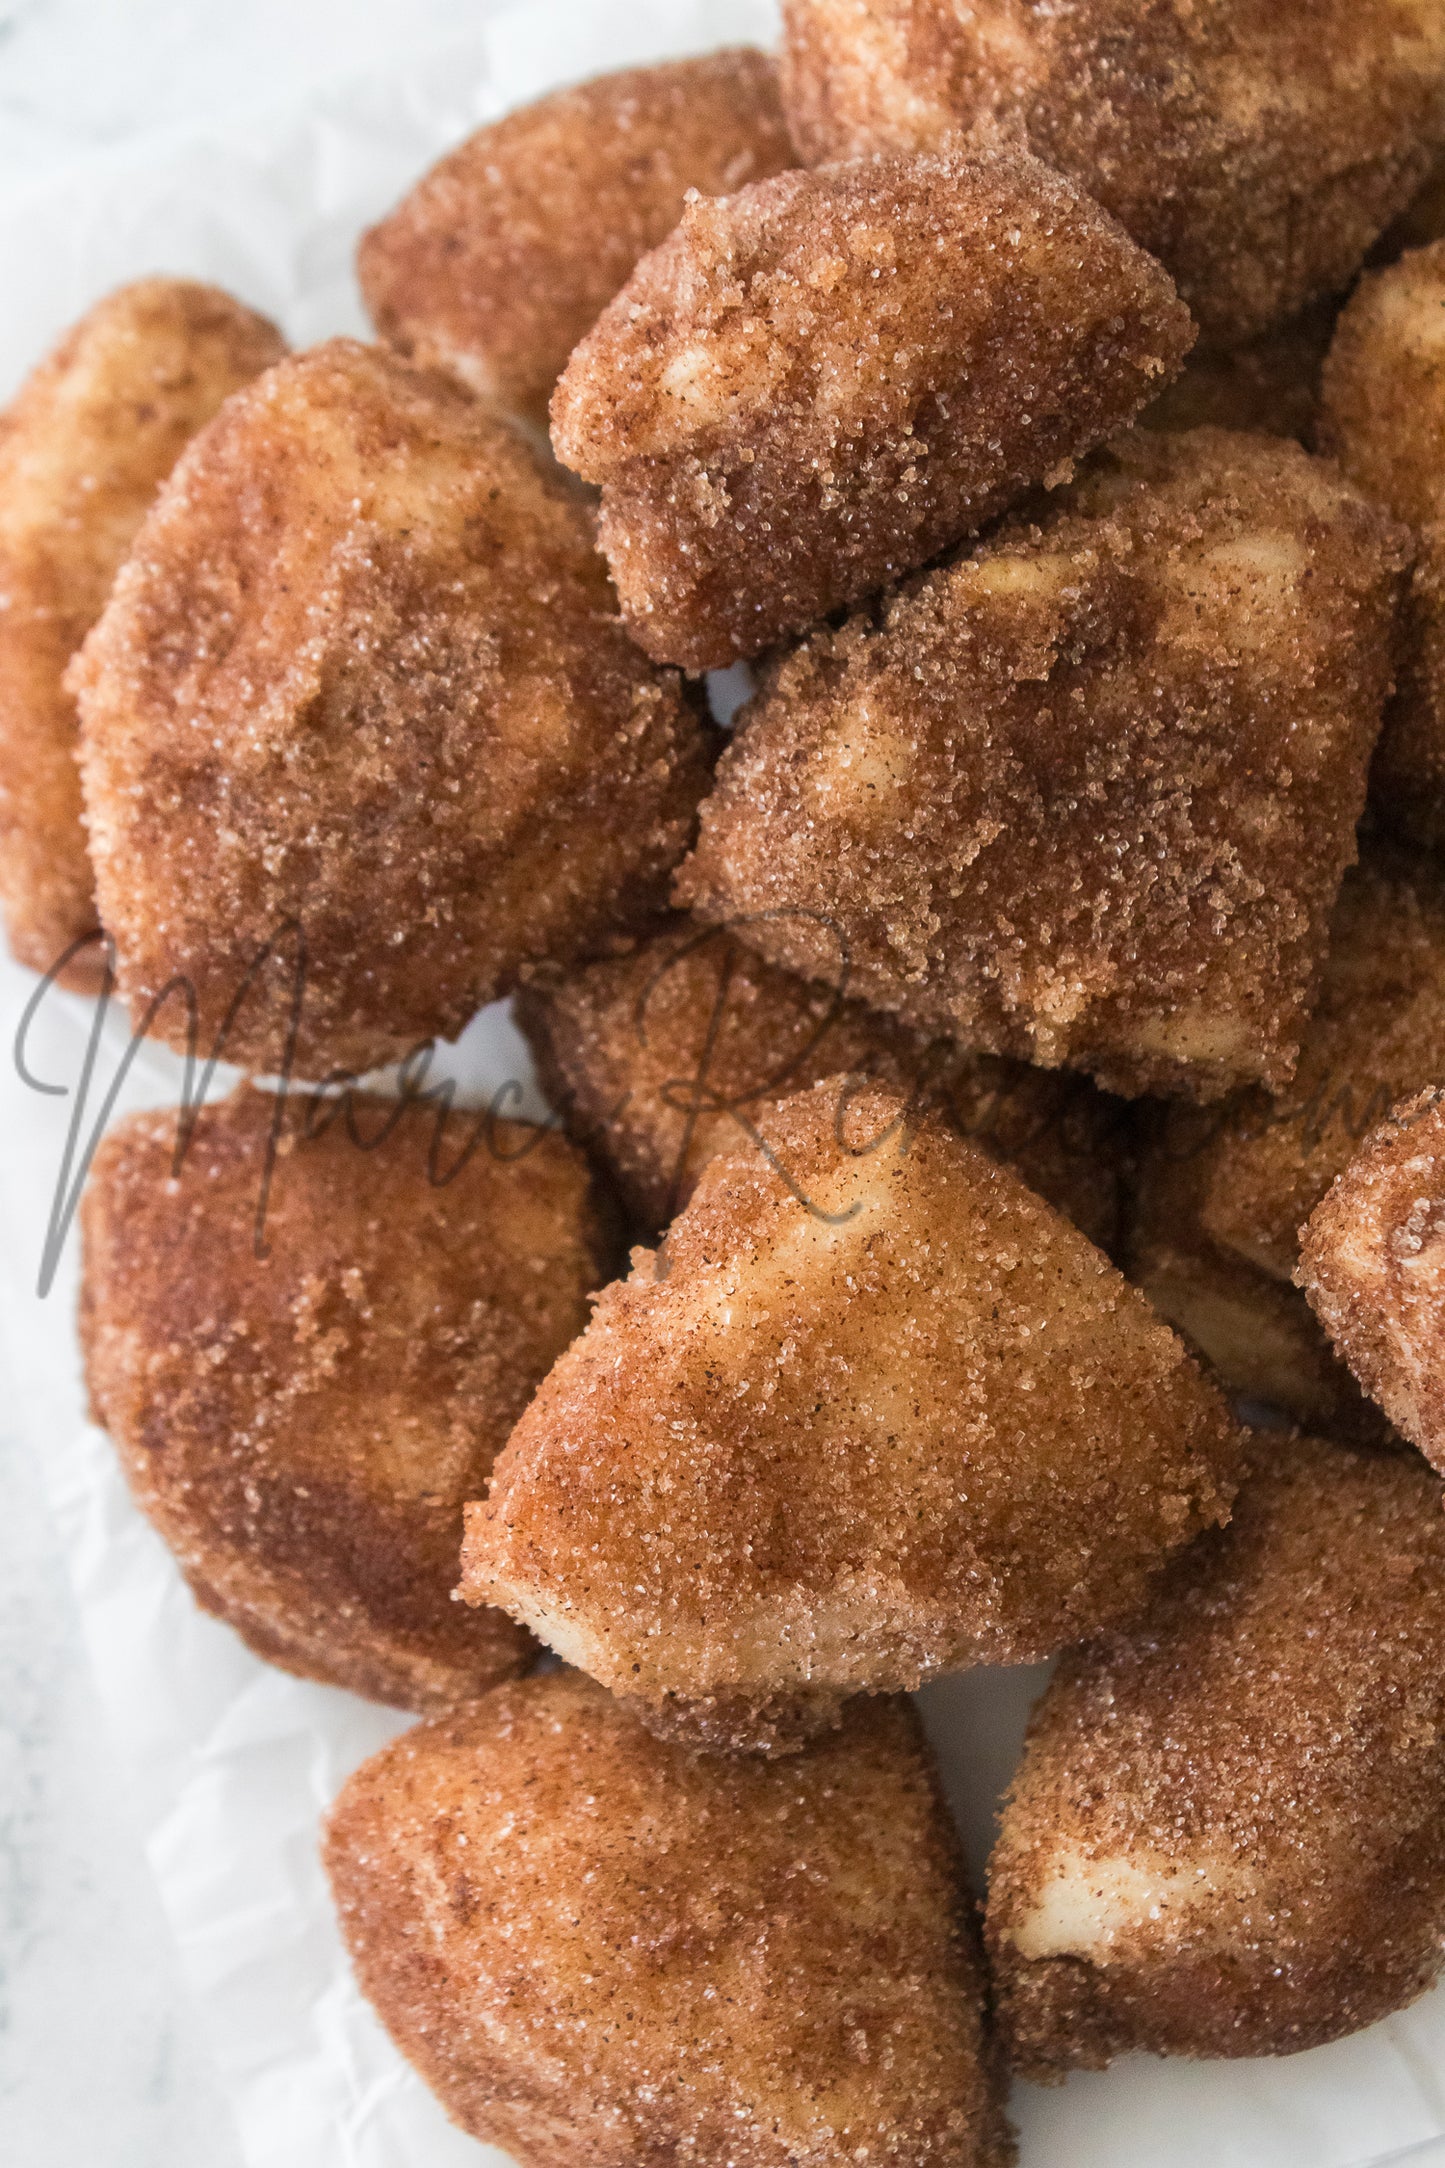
{"x": 969, "y": 1039}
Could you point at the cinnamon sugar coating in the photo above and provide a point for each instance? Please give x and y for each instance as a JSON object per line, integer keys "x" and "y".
{"x": 302, "y": 1427}
{"x": 1225, "y": 1836}
{"x": 1257, "y": 147}
{"x": 875, "y": 1411}
{"x": 1085, "y": 796}
{"x": 601, "y": 1951}
{"x": 84, "y": 445}
{"x": 664, "y": 1057}
{"x": 1384, "y": 387}
{"x": 362, "y": 676}
{"x": 1372, "y": 1262}
{"x": 1233, "y": 1187}
{"x": 819, "y": 383}
{"x": 1384, "y": 417}
{"x": 508, "y": 250}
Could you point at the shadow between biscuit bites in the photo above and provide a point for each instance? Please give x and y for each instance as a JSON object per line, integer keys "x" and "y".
{"x": 817, "y": 384}
{"x": 1224, "y": 1838}
{"x": 1223, "y": 1192}
{"x": 1085, "y": 796}
{"x": 601, "y": 1949}
{"x": 84, "y": 446}
{"x": 873, "y": 1411}
{"x": 361, "y": 697}
{"x": 1269, "y": 386}
{"x": 303, "y": 1425}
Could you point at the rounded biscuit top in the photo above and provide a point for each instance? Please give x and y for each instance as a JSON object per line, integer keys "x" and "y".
{"x": 504, "y": 254}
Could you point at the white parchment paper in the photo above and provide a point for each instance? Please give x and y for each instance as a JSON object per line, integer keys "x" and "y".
{"x": 235, "y": 1762}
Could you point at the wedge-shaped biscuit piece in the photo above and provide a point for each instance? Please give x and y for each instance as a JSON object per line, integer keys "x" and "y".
{"x": 1086, "y": 796}
{"x": 1225, "y": 1834}
{"x": 664, "y": 1057}
{"x": 1257, "y": 147}
{"x": 874, "y": 1411}
{"x": 1384, "y": 418}
{"x": 822, "y": 381}
{"x": 361, "y": 685}
{"x": 303, "y": 1425}
{"x": 509, "y": 250}
{"x": 597, "y": 1948}
{"x": 1372, "y": 1263}
{"x": 1222, "y": 1195}
{"x": 83, "y": 448}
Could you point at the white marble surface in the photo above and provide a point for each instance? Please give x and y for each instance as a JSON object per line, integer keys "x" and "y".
{"x": 80, "y": 77}
{"x": 101, "y": 2060}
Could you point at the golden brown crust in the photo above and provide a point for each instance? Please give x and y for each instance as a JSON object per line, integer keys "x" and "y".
{"x": 665, "y": 1056}
{"x": 303, "y": 1427}
{"x": 1230, "y": 1189}
{"x": 1383, "y": 389}
{"x": 1270, "y": 385}
{"x": 505, "y": 253}
{"x": 824, "y": 380}
{"x": 362, "y": 673}
{"x": 745, "y": 1723}
{"x": 605, "y": 1952}
{"x": 1372, "y": 1262}
{"x": 1257, "y": 147}
{"x": 873, "y": 1412}
{"x": 83, "y": 448}
{"x": 1086, "y": 796}
{"x": 1225, "y": 1834}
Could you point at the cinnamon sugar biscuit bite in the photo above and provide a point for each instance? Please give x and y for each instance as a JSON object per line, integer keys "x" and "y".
{"x": 1257, "y": 147}
{"x": 665, "y": 1056}
{"x": 874, "y": 1411}
{"x": 508, "y": 251}
{"x": 822, "y": 381}
{"x": 1084, "y": 797}
{"x": 1384, "y": 417}
{"x": 83, "y": 448}
{"x": 599, "y": 1948}
{"x": 302, "y": 1425}
{"x": 1372, "y": 1263}
{"x": 1225, "y": 1837}
{"x": 361, "y": 699}
{"x": 1384, "y": 387}
{"x": 1222, "y": 1195}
